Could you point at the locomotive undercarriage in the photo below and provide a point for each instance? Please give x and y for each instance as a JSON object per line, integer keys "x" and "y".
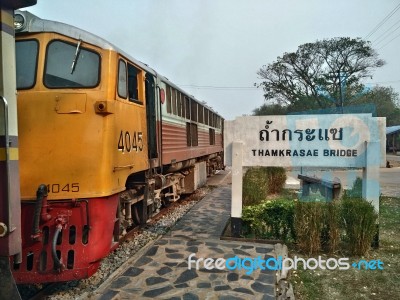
{"x": 158, "y": 190}
{"x": 69, "y": 237}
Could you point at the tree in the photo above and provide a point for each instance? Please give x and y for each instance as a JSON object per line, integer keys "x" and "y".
{"x": 270, "y": 110}
{"x": 383, "y": 101}
{"x": 386, "y": 102}
{"x": 317, "y": 72}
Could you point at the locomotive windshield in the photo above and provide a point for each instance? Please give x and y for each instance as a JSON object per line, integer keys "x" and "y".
{"x": 58, "y": 72}
{"x": 26, "y": 61}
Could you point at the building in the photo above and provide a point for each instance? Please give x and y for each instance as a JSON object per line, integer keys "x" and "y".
{"x": 393, "y": 139}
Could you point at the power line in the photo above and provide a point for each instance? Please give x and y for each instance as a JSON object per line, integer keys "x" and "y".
{"x": 389, "y": 41}
{"x": 211, "y": 87}
{"x": 383, "y": 36}
{"x": 383, "y": 21}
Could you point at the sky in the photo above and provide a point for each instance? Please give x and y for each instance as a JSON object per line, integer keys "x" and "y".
{"x": 213, "y": 48}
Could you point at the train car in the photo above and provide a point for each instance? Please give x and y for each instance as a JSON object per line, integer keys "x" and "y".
{"x": 104, "y": 142}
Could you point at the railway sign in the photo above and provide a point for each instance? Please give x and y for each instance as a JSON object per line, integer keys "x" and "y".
{"x": 334, "y": 140}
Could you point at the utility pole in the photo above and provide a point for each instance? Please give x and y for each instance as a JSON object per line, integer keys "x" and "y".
{"x": 341, "y": 91}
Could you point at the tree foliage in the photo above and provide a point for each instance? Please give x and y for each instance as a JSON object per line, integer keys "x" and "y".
{"x": 270, "y": 110}
{"x": 384, "y": 99}
{"x": 386, "y": 102}
{"x": 317, "y": 71}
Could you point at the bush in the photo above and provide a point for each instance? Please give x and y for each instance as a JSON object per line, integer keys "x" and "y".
{"x": 308, "y": 223}
{"x": 276, "y": 178}
{"x": 332, "y": 226}
{"x": 259, "y": 182}
{"x": 271, "y": 219}
{"x": 255, "y": 187}
{"x": 317, "y": 226}
{"x": 320, "y": 224}
{"x": 359, "y": 222}
{"x": 313, "y": 225}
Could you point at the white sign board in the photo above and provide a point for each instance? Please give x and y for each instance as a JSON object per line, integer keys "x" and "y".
{"x": 344, "y": 141}
{"x": 304, "y": 140}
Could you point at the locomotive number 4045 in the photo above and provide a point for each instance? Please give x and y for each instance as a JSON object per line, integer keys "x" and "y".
{"x": 130, "y": 141}
{"x": 60, "y": 188}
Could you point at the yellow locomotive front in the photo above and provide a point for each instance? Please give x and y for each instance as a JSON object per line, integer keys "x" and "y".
{"x": 81, "y": 134}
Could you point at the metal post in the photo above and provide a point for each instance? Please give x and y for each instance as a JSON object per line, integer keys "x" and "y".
{"x": 10, "y": 205}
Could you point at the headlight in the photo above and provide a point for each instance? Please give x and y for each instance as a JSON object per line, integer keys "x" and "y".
{"x": 19, "y": 22}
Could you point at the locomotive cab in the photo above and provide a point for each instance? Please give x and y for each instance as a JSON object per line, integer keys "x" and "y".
{"x": 82, "y": 133}
{"x": 104, "y": 140}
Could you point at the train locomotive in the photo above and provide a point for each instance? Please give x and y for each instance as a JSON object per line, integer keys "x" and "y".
{"x": 104, "y": 142}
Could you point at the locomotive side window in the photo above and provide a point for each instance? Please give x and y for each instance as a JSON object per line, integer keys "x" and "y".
{"x": 188, "y": 136}
{"x": 212, "y": 119}
{"x": 26, "y": 61}
{"x": 174, "y": 108}
{"x": 211, "y": 132}
{"x": 187, "y": 104}
{"x": 71, "y": 66}
{"x": 133, "y": 83}
{"x": 179, "y": 103}
{"x": 201, "y": 114}
{"x": 206, "y": 116}
{"x": 194, "y": 111}
{"x": 192, "y": 134}
{"x": 178, "y": 107}
{"x": 122, "y": 90}
{"x": 183, "y": 105}
{"x": 169, "y": 109}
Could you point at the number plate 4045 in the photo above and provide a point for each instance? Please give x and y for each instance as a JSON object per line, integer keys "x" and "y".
{"x": 63, "y": 188}
{"x": 130, "y": 141}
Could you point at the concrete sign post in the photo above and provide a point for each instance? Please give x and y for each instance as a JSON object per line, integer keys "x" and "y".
{"x": 337, "y": 141}
{"x": 237, "y": 186}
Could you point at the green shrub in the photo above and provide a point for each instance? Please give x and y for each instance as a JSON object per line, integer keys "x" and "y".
{"x": 259, "y": 182}
{"x": 308, "y": 224}
{"x": 359, "y": 222}
{"x": 331, "y": 227}
{"x": 318, "y": 225}
{"x": 276, "y": 178}
{"x": 255, "y": 188}
{"x": 270, "y": 219}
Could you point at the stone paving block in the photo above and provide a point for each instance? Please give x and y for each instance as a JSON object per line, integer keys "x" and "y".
{"x": 132, "y": 272}
{"x": 121, "y": 282}
{"x": 109, "y": 295}
{"x": 163, "y": 271}
{"x": 152, "y": 251}
{"x": 153, "y": 293}
{"x": 232, "y": 277}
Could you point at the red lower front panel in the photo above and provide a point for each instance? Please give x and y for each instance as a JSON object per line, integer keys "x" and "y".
{"x": 86, "y": 237}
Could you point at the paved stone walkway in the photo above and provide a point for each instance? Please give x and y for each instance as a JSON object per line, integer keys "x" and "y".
{"x": 161, "y": 270}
